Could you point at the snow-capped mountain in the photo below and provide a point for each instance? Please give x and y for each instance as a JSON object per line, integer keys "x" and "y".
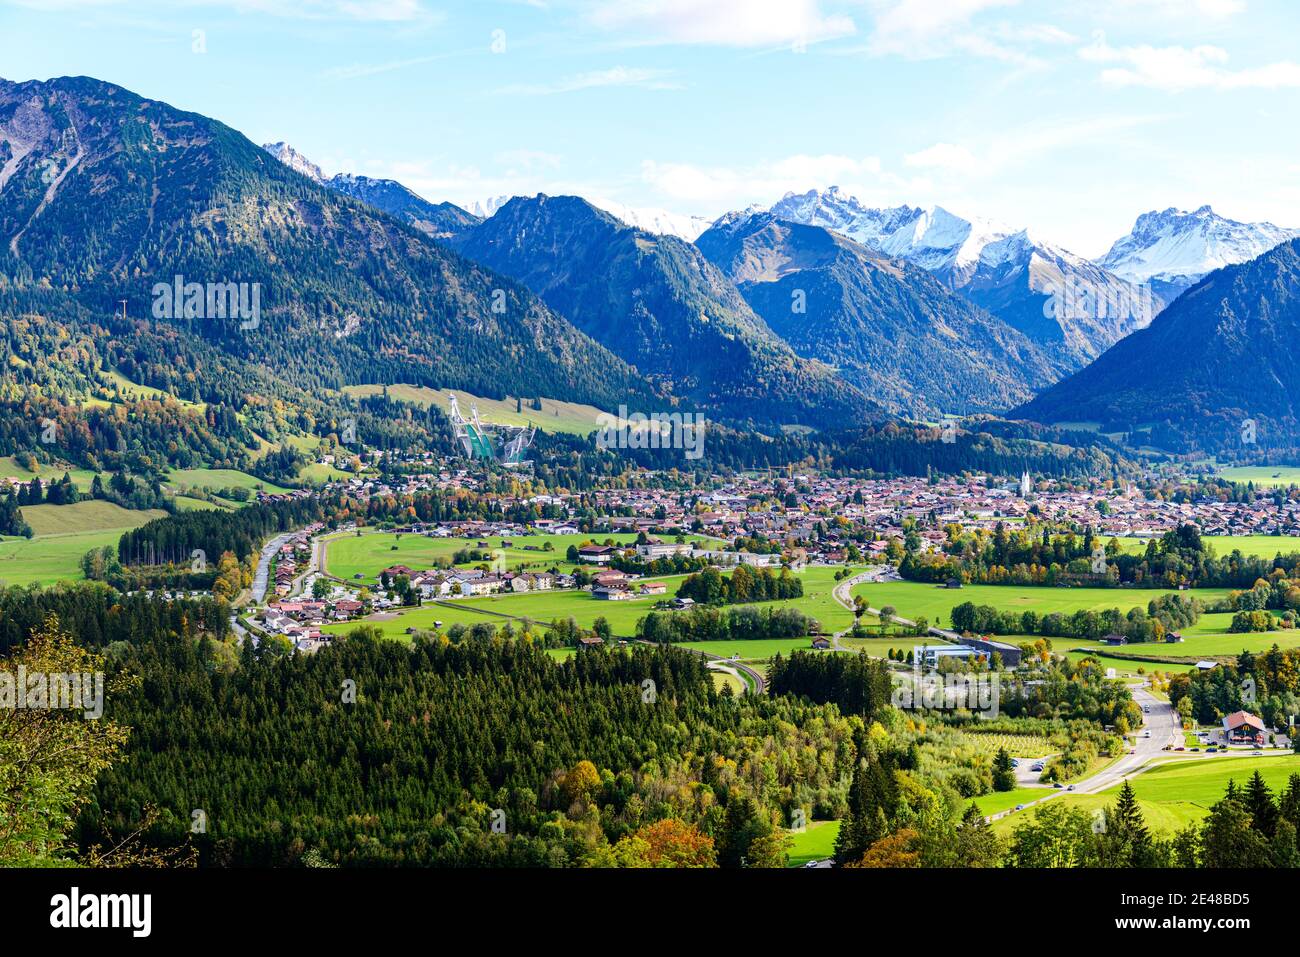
{"x": 291, "y": 158}
{"x": 1048, "y": 293}
{"x": 1177, "y": 248}
{"x": 661, "y": 221}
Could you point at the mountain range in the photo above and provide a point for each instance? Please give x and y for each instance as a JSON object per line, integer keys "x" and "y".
{"x": 819, "y": 312}
{"x": 1059, "y": 300}
{"x": 660, "y": 305}
{"x": 106, "y": 196}
{"x": 1172, "y": 249}
{"x": 439, "y": 220}
{"x": 1213, "y": 371}
{"x": 888, "y": 326}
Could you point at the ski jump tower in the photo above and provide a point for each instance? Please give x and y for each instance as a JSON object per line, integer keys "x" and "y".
{"x": 502, "y": 444}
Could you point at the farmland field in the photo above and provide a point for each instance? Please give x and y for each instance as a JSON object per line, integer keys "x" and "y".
{"x": 50, "y": 558}
{"x": 215, "y": 479}
{"x": 10, "y": 468}
{"x": 1258, "y": 546}
{"x": 367, "y": 554}
{"x": 88, "y": 516}
{"x": 1268, "y": 475}
{"x": 544, "y": 607}
{"x": 934, "y": 602}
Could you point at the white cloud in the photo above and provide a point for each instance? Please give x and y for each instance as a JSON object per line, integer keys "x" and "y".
{"x": 922, "y": 29}
{"x": 944, "y": 156}
{"x": 711, "y": 190}
{"x": 617, "y": 76}
{"x": 732, "y": 23}
{"x": 1177, "y": 68}
{"x": 1215, "y": 9}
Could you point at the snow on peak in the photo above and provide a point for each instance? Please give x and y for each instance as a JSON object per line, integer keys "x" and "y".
{"x": 1175, "y": 245}
{"x": 661, "y": 221}
{"x": 291, "y": 158}
{"x": 484, "y": 209}
{"x": 935, "y": 238}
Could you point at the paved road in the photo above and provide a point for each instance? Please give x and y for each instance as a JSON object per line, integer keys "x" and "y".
{"x": 263, "y": 575}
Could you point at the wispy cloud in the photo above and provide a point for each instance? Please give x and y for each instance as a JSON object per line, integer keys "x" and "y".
{"x": 1177, "y": 69}
{"x": 356, "y": 70}
{"x": 646, "y": 79}
{"x": 728, "y": 23}
{"x": 380, "y": 11}
{"x": 717, "y": 188}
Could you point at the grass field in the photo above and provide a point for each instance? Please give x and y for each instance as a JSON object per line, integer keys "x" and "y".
{"x": 368, "y": 554}
{"x": 935, "y": 603}
{"x": 725, "y": 679}
{"x": 1177, "y": 793}
{"x": 554, "y": 415}
{"x": 216, "y": 479}
{"x": 134, "y": 391}
{"x": 998, "y": 801}
{"x": 88, "y": 516}
{"x": 1258, "y": 546}
{"x": 9, "y": 468}
{"x": 815, "y": 842}
{"x": 622, "y": 616}
{"x": 1267, "y": 475}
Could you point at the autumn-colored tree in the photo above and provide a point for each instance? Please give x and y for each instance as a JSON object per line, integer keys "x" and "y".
{"x": 581, "y": 782}
{"x": 672, "y": 843}
{"x": 896, "y": 850}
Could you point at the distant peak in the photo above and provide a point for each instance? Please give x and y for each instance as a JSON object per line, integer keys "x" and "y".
{"x": 291, "y": 158}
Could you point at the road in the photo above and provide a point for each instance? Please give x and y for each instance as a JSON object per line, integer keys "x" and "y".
{"x": 263, "y": 575}
{"x": 1161, "y": 720}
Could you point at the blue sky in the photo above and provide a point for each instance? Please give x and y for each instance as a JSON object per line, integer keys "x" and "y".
{"x": 1067, "y": 117}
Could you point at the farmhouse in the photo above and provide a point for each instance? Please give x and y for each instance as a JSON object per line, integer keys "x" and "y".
{"x": 595, "y": 554}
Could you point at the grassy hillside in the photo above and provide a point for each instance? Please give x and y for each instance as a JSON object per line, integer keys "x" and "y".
{"x": 554, "y": 415}
{"x": 90, "y": 516}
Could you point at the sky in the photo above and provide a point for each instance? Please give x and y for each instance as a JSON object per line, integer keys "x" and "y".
{"x": 1069, "y": 118}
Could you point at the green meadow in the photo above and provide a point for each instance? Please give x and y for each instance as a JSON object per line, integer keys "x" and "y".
{"x": 544, "y": 607}
{"x": 1267, "y": 475}
{"x": 815, "y": 842}
{"x": 1175, "y": 793}
{"x": 1257, "y": 546}
{"x": 89, "y": 516}
{"x": 554, "y": 415}
{"x": 370, "y": 553}
{"x": 217, "y": 479}
{"x": 935, "y": 603}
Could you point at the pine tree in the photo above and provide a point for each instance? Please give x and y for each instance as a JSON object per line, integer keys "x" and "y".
{"x": 1258, "y": 800}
